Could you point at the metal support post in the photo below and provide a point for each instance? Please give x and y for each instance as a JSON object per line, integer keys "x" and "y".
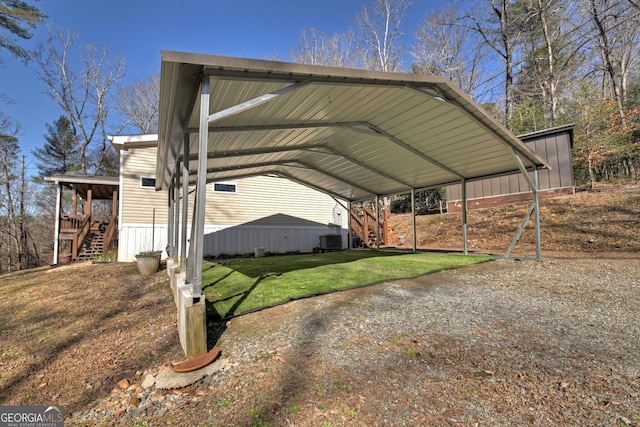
{"x": 196, "y": 246}
{"x": 377, "y": 222}
{"x": 170, "y": 221}
{"x": 465, "y": 244}
{"x": 413, "y": 219}
{"x": 536, "y": 201}
{"x": 185, "y": 202}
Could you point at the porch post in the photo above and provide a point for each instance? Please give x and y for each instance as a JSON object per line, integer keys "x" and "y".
{"x": 56, "y": 235}
{"x": 413, "y": 219}
{"x": 465, "y": 245}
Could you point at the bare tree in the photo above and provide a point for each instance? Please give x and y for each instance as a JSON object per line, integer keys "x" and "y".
{"x": 9, "y": 150}
{"x": 501, "y": 28}
{"x": 83, "y": 95}
{"x": 316, "y": 47}
{"x": 380, "y": 28}
{"x": 446, "y": 48}
{"x": 551, "y": 54}
{"x": 139, "y": 103}
{"x": 616, "y": 26}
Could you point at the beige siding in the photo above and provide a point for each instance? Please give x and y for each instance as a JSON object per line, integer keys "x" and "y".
{"x": 260, "y": 197}
{"x": 256, "y": 198}
{"x": 137, "y": 202}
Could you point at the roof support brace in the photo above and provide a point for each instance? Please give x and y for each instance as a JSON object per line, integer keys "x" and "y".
{"x": 248, "y": 104}
{"x": 535, "y": 207}
{"x": 420, "y": 154}
{"x": 534, "y": 185}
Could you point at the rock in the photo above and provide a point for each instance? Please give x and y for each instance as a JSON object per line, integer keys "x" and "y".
{"x": 123, "y": 384}
{"x": 134, "y": 401}
{"x": 168, "y": 379}
{"x": 149, "y": 381}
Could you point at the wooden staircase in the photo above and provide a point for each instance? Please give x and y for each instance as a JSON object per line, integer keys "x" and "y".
{"x": 93, "y": 245}
{"x": 363, "y": 227}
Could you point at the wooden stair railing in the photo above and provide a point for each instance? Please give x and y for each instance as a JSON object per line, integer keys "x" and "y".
{"x": 363, "y": 225}
{"x": 110, "y": 235}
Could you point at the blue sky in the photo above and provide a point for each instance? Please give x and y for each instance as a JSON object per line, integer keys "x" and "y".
{"x": 140, "y": 29}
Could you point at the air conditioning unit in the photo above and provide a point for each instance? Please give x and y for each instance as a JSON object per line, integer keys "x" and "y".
{"x": 331, "y": 242}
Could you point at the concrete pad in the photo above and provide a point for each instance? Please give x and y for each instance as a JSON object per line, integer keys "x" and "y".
{"x": 168, "y": 379}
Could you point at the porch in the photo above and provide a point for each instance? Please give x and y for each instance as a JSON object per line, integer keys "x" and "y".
{"x": 83, "y": 231}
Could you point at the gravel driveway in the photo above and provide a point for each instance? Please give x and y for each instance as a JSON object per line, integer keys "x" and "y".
{"x": 507, "y": 342}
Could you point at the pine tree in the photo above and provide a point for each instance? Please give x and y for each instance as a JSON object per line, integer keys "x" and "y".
{"x": 58, "y": 155}
{"x": 17, "y": 17}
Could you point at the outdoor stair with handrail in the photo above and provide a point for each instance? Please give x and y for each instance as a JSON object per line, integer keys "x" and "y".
{"x": 363, "y": 225}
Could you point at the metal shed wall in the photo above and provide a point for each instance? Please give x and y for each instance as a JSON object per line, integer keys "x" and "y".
{"x": 553, "y": 145}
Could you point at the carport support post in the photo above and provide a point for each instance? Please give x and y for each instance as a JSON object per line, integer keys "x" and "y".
{"x": 176, "y": 215}
{"x": 465, "y": 245}
{"x": 377, "y": 222}
{"x": 536, "y": 201}
{"x": 192, "y": 316}
{"x": 349, "y": 243}
{"x": 413, "y": 219}
{"x": 170, "y": 222}
{"x": 185, "y": 202}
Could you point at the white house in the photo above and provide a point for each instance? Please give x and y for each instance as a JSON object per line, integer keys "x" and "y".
{"x": 242, "y": 215}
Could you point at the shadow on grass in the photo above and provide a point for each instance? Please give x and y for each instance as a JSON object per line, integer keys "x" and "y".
{"x": 274, "y": 265}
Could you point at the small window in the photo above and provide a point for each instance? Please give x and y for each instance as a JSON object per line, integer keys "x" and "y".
{"x": 225, "y": 187}
{"x": 146, "y": 182}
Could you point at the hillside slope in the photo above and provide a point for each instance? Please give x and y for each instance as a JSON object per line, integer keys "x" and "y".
{"x": 604, "y": 220}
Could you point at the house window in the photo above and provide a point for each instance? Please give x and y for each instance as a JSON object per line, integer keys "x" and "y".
{"x": 147, "y": 182}
{"x": 225, "y": 187}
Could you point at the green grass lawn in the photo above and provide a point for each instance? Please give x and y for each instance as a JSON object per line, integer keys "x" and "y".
{"x": 248, "y": 284}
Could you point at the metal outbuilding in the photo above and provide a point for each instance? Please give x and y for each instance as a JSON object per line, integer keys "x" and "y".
{"x": 354, "y": 134}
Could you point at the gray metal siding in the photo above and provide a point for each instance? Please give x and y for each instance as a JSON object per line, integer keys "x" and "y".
{"x": 555, "y": 148}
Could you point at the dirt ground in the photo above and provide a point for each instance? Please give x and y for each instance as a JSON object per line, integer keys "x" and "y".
{"x": 501, "y": 343}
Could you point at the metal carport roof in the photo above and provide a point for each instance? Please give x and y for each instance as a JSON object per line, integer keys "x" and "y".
{"x": 354, "y": 134}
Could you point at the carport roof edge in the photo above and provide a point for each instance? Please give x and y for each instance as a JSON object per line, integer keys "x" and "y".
{"x": 181, "y": 75}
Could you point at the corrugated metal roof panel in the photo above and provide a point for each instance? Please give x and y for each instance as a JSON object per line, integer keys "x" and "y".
{"x": 352, "y": 133}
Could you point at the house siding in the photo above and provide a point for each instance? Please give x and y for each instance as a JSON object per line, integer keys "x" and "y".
{"x": 270, "y": 212}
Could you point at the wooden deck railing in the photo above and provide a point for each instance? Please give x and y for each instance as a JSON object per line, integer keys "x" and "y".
{"x": 363, "y": 224}
{"x": 74, "y": 228}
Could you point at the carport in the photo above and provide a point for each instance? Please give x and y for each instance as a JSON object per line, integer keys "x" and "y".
{"x": 354, "y": 134}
